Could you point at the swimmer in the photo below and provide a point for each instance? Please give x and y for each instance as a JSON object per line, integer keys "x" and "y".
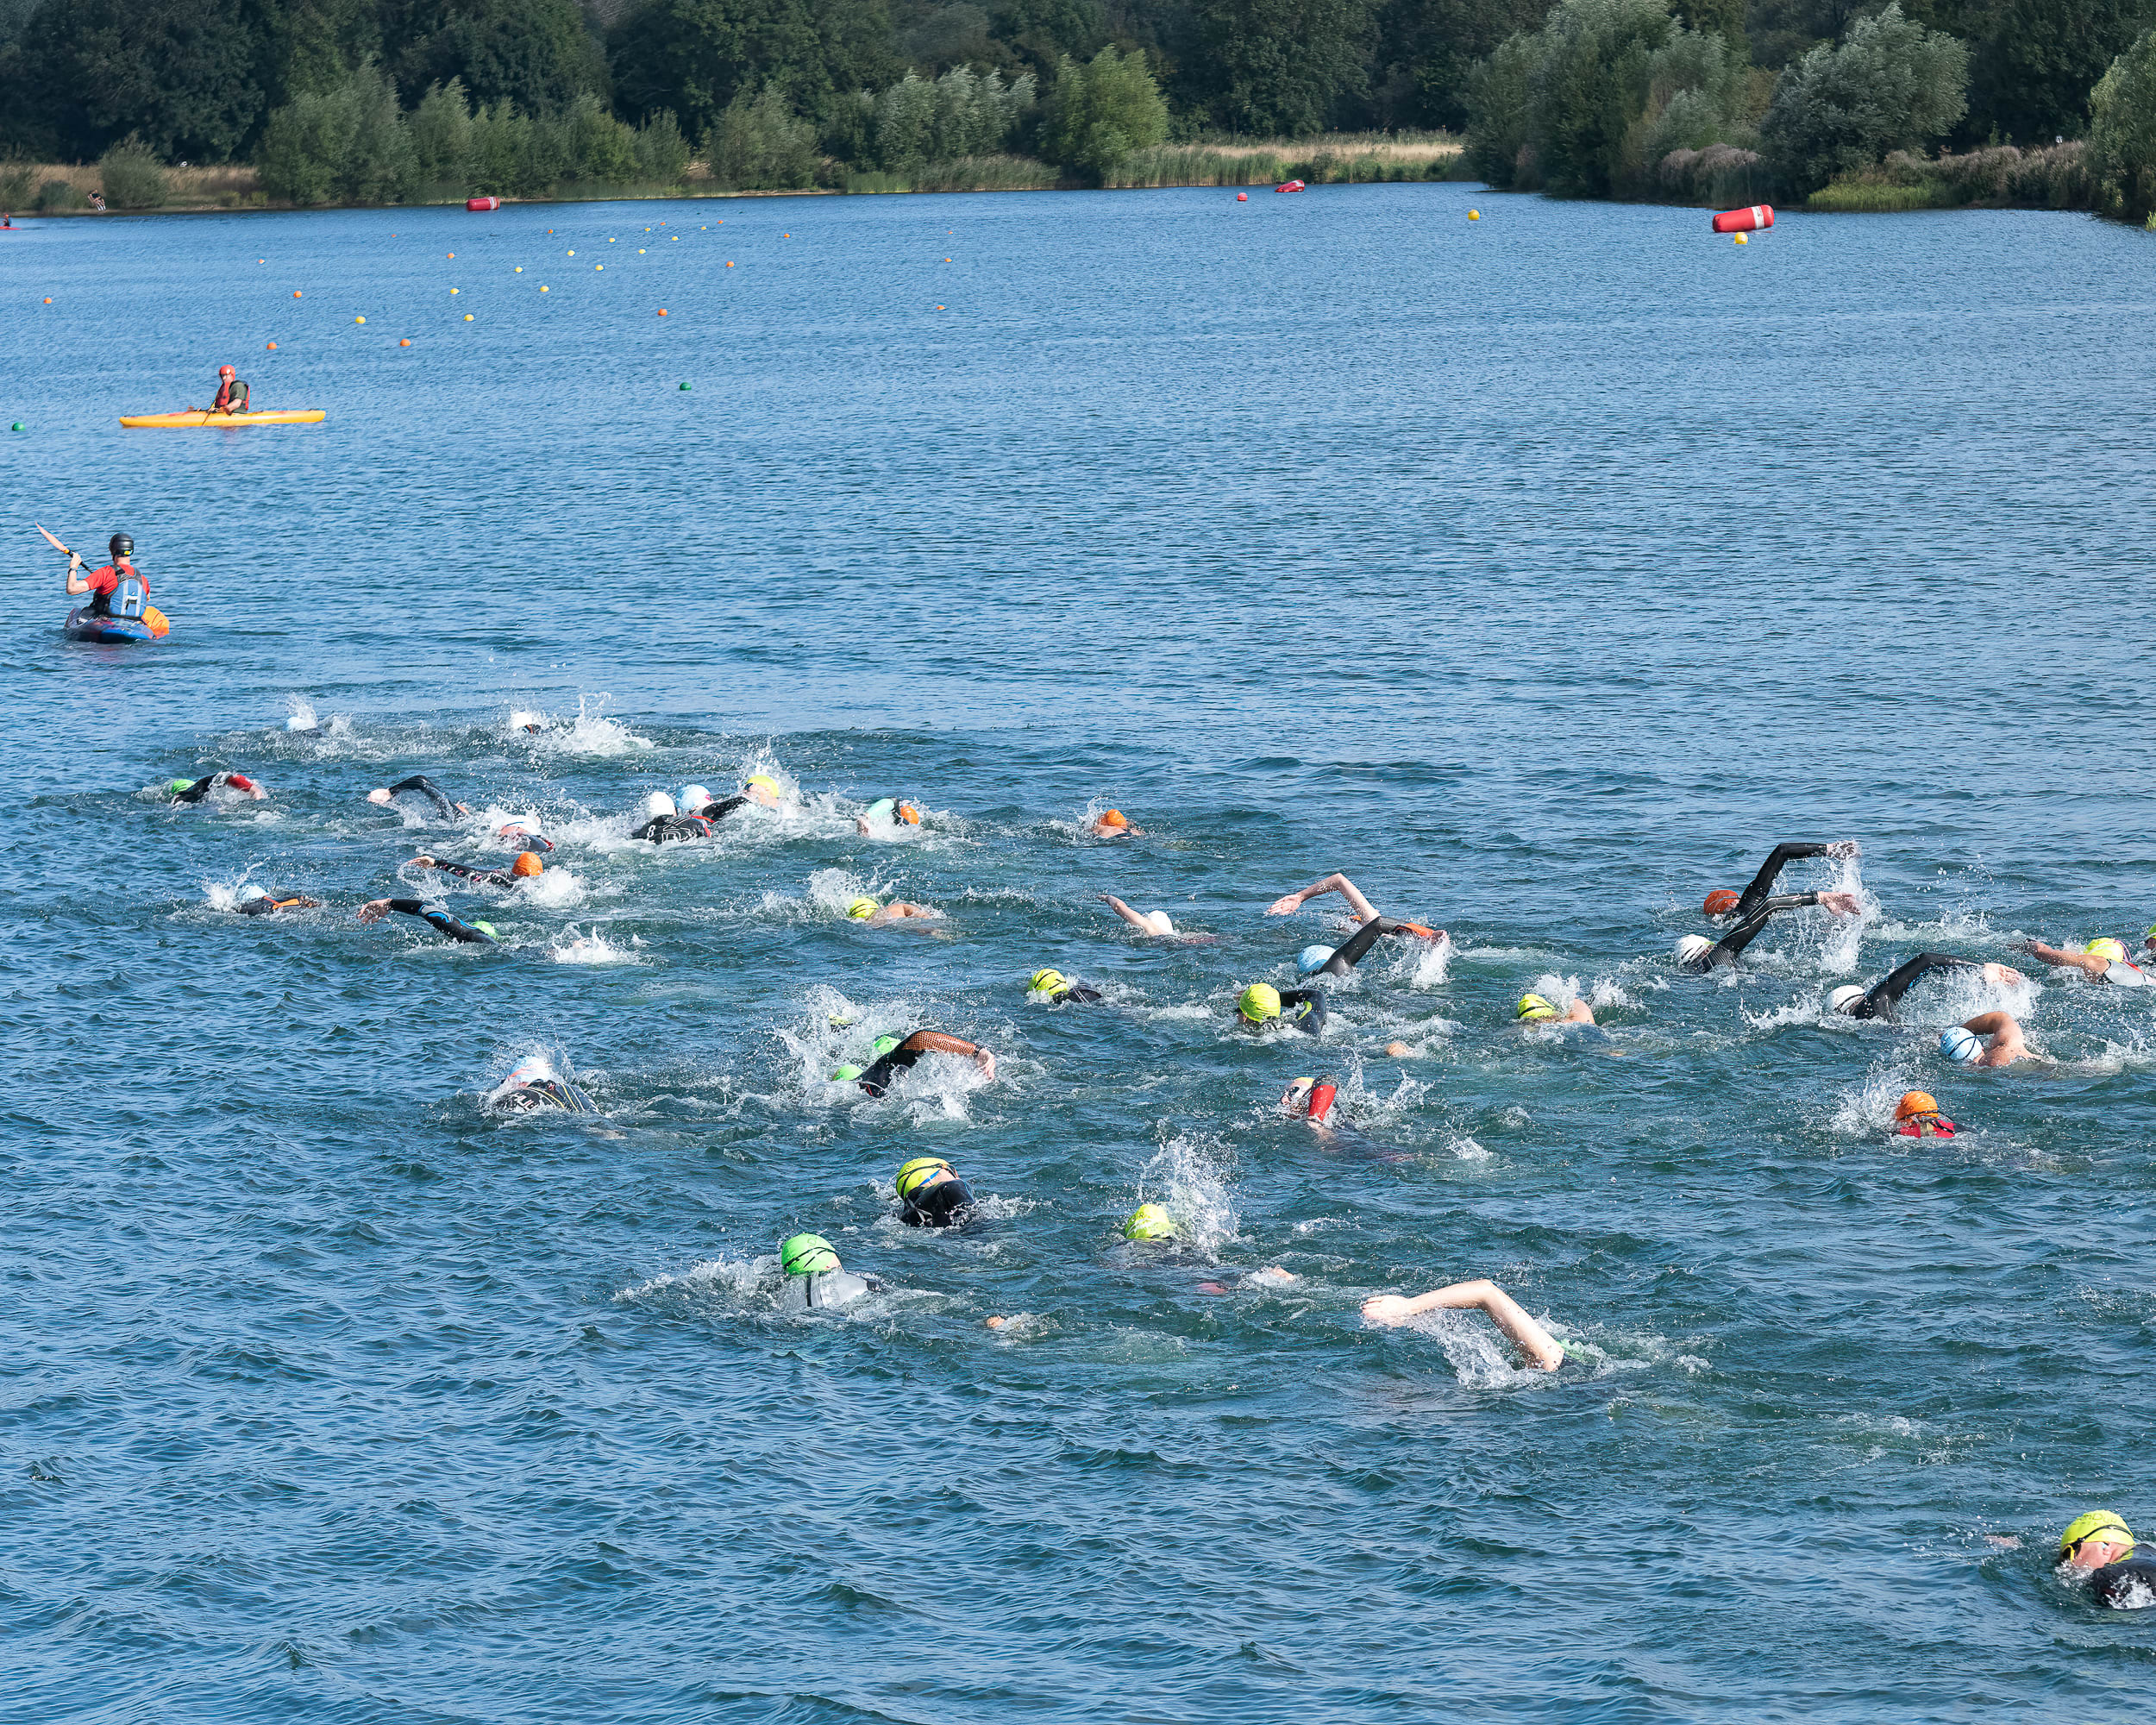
{"x": 2097, "y": 1549}
{"x": 869, "y": 914}
{"x": 1964, "y": 1044}
{"x": 1338, "y": 961}
{"x": 255, "y": 901}
{"x": 1155, "y": 923}
{"x": 1542, "y": 1349}
{"x": 1152, "y": 1223}
{"x": 876, "y": 1080}
{"x": 419, "y": 785}
{"x": 1696, "y": 952}
{"x": 1262, "y": 1004}
{"x": 932, "y": 1195}
{"x": 531, "y": 1088}
{"x": 524, "y": 833}
{"x": 1310, "y": 1098}
{"x": 197, "y": 790}
{"x": 892, "y": 812}
{"x": 1533, "y": 1009}
{"x": 1060, "y": 990}
{"x": 1113, "y": 824}
{"x": 482, "y": 933}
{"x": 815, "y": 1279}
{"x": 664, "y": 825}
{"x": 1365, "y": 911}
{"x": 1916, "y": 1115}
{"x": 1879, "y": 1001}
{"x": 2099, "y": 961}
{"x": 1723, "y": 902}
{"x": 527, "y": 867}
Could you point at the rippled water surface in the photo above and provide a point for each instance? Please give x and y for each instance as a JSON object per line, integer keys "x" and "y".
{"x": 1539, "y": 572}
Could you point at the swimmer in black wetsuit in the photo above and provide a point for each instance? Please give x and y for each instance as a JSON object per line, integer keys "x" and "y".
{"x": 531, "y": 1088}
{"x": 815, "y": 1279}
{"x": 664, "y": 825}
{"x": 1696, "y": 952}
{"x": 1262, "y": 1004}
{"x": 481, "y": 933}
{"x": 1060, "y": 990}
{"x": 254, "y": 901}
{"x": 1365, "y": 911}
{"x": 1879, "y": 1001}
{"x": 1338, "y": 961}
{"x": 1721, "y": 902}
{"x": 419, "y": 785}
{"x": 1542, "y": 1349}
{"x": 524, "y": 834}
{"x": 527, "y": 867}
{"x": 932, "y": 1195}
{"x": 181, "y": 791}
{"x": 2100, "y": 1550}
{"x": 878, "y": 1078}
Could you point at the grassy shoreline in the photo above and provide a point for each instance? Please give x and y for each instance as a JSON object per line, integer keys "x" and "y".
{"x": 1338, "y": 159}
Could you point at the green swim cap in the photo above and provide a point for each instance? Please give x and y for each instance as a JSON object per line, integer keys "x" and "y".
{"x": 861, "y": 909}
{"x": 1045, "y": 981}
{"x": 1149, "y": 1222}
{"x": 808, "y": 1255}
{"x": 884, "y": 1044}
{"x": 1260, "y": 1002}
{"x": 1534, "y": 1007}
{"x": 2087, "y": 1526}
{"x": 844, "y": 1075}
{"x": 487, "y": 929}
{"x": 174, "y": 787}
{"x": 915, "y": 1174}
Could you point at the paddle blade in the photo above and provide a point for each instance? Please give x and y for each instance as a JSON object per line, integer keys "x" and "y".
{"x": 158, "y": 627}
{"x": 49, "y": 540}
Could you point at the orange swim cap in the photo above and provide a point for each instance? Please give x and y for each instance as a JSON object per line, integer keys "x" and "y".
{"x": 526, "y": 866}
{"x": 1721, "y": 902}
{"x": 907, "y": 812}
{"x": 1916, "y": 1103}
{"x": 1113, "y": 817}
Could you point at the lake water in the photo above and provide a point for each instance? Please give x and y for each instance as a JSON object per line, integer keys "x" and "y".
{"x": 1540, "y": 572}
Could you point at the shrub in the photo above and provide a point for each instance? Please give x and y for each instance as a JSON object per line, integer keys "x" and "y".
{"x": 663, "y": 153}
{"x": 1588, "y": 87}
{"x": 133, "y": 178}
{"x": 1719, "y": 175}
{"x": 441, "y": 132}
{"x": 60, "y": 194}
{"x": 760, "y": 145}
{"x": 1892, "y": 84}
{"x": 2122, "y": 133}
{"x": 1497, "y": 111}
{"x": 1102, "y": 112}
{"x": 14, "y": 185}
{"x": 344, "y": 145}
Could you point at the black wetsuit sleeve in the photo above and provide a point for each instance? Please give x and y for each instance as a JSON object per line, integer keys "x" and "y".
{"x": 1310, "y": 1020}
{"x": 1881, "y": 999}
{"x": 650, "y": 829}
{"x": 196, "y": 792}
{"x": 719, "y": 811}
{"x": 1078, "y": 992}
{"x": 877, "y": 1079}
{"x": 427, "y": 788}
{"x": 1770, "y": 871}
{"x": 258, "y": 907}
{"x": 440, "y": 920}
{"x": 1725, "y": 950}
{"x": 1348, "y": 956}
{"x": 485, "y": 877}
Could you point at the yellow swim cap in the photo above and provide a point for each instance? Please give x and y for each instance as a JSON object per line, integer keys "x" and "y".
{"x": 766, "y": 782}
{"x": 1149, "y": 1222}
{"x": 2111, "y": 951}
{"x": 2083, "y": 1527}
{"x": 1045, "y": 981}
{"x": 861, "y": 909}
{"x": 917, "y": 1173}
{"x": 1533, "y": 1007}
{"x": 1260, "y": 1002}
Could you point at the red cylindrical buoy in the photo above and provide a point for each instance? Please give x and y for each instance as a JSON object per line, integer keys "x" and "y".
{"x": 482, "y": 204}
{"x": 1744, "y": 220}
{"x": 1321, "y": 1095}
{"x": 1290, "y": 186}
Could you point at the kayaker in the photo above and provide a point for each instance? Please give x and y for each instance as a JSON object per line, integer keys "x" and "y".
{"x": 102, "y": 584}
{"x": 232, "y": 394}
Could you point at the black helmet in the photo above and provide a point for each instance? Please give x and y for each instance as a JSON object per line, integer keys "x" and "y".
{"x": 122, "y": 546}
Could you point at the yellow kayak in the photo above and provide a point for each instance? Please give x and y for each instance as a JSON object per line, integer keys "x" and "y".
{"x": 167, "y": 422}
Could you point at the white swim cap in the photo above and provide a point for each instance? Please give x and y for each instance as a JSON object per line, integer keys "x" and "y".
{"x": 1958, "y": 1044}
{"x": 656, "y": 804}
{"x": 531, "y": 1068}
{"x": 1845, "y": 999}
{"x": 1692, "y": 948}
{"x": 528, "y": 825}
{"x": 1312, "y": 959}
{"x": 380, "y": 796}
{"x": 694, "y": 796}
{"x": 1166, "y": 926}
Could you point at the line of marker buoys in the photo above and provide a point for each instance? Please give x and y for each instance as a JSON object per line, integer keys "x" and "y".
{"x": 482, "y": 204}
{"x": 1752, "y": 216}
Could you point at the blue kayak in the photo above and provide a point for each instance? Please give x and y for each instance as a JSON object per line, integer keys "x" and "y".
{"x": 81, "y": 626}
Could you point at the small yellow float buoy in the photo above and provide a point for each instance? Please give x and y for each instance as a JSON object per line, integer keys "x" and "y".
{"x": 1742, "y": 241}
{"x": 359, "y": 320}
{"x": 1473, "y": 215}
{"x": 468, "y": 318}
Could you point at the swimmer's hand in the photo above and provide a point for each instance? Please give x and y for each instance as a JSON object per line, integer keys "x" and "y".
{"x": 1843, "y": 849}
{"x": 425, "y": 863}
{"x": 985, "y": 1062}
{"x": 1842, "y": 904}
{"x": 374, "y": 910}
{"x": 1287, "y": 906}
{"x": 1387, "y": 1308}
{"x": 2002, "y": 972}
{"x": 460, "y": 809}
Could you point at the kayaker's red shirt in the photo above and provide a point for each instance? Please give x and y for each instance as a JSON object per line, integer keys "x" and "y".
{"x": 106, "y": 579}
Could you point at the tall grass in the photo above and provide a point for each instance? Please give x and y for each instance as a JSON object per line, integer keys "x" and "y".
{"x": 1999, "y": 178}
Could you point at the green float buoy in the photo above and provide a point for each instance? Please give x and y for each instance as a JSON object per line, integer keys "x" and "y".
{"x": 684, "y": 386}
{"x": 18, "y": 424}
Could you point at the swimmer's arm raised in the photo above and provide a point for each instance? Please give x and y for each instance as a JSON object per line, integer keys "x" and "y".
{"x": 1507, "y": 1313}
{"x": 2087, "y": 963}
{"x": 1363, "y": 909}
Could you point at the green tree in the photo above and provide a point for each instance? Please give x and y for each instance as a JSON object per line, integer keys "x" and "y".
{"x": 441, "y": 132}
{"x": 346, "y": 145}
{"x": 2122, "y": 132}
{"x": 2030, "y": 74}
{"x": 1040, "y": 33}
{"x": 1590, "y": 86}
{"x": 662, "y": 152}
{"x": 1429, "y": 48}
{"x": 1894, "y": 85}
{"x": 1100, "y": 112}
{"x": 1281, "y": 68}
{"x": 539, "y": 55}
{"x": 1497, "y": 112}
{"x": 131, "y": 178}
{"x": 694, "y": 56}
{"x": 759, "y": 144}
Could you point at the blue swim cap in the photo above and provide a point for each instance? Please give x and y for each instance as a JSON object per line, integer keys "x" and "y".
{"x": 1312, "y": 959}
{"x": 250, "y": 894}
{"x": 1958, "y": 1044}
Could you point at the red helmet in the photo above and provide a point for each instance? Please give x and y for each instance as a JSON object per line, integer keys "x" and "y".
{"x": 226, "y": 372}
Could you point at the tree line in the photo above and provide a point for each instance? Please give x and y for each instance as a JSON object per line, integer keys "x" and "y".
{"x": 1589, "y": 97}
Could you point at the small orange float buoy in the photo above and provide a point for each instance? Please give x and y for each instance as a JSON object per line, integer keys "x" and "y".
{"x": 662, "y": 312}
{"x": 48, "y": 300}
{"x": 295, "y": 293}
{"x": 406, "y": 342}
{"x": 270, "y": 346}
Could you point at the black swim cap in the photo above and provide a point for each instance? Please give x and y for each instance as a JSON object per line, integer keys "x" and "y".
{"x": 122, "y": 546}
